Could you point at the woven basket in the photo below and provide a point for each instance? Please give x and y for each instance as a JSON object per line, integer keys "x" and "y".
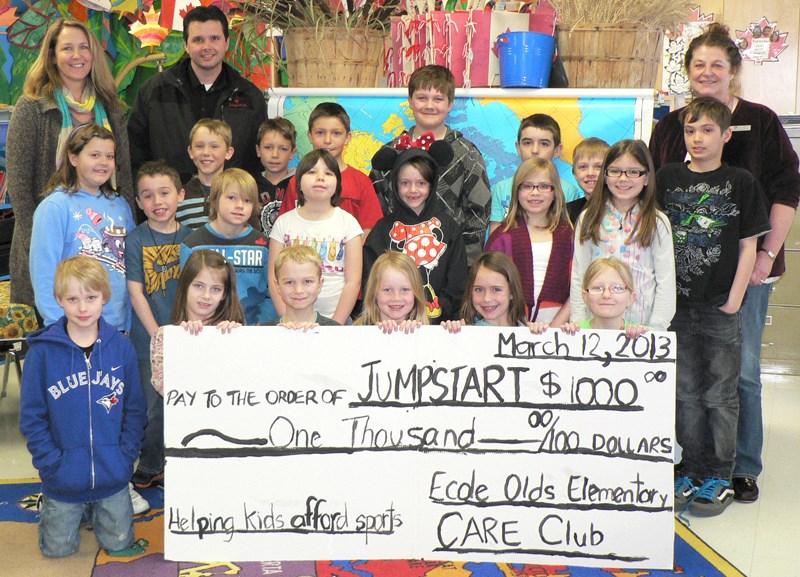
{"x": 610, "y": 56}
{"x": 334, "y": 57}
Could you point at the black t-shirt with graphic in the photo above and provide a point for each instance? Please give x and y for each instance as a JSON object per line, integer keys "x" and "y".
{"x": 709, "y": 212}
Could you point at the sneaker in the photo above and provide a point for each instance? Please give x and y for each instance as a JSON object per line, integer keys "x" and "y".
{"x": 685, "y": 489}
{"x": 137, "y": 548}
{"x": 140, "y": 504}
{"x": 745, "y": 490}
{"x": 142, "y": 480}
{"x": 712, "y": 498}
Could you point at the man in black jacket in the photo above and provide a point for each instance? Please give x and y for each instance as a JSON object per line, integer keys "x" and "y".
{"x": 200, "y": 86}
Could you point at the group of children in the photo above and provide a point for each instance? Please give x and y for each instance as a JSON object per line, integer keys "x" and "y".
{"x": 297, "y": 250}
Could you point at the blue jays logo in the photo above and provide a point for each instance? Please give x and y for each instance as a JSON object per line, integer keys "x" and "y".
{"x": 108, "y": 401}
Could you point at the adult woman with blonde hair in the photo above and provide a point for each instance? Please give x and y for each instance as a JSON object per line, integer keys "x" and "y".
{"x": 69, "y": 84}
{"x": 759, "y": 144}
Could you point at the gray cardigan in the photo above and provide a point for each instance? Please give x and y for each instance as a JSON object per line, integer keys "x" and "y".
{"x": 31, "y": 160}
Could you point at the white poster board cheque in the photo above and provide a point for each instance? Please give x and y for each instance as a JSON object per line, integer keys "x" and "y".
{"x": 488, "y": 445}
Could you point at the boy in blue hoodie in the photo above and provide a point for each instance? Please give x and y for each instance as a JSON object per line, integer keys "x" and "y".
{"x": 83, "y": 413}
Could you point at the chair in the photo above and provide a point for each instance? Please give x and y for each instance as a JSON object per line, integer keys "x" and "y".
{"x": 16, "y": 322}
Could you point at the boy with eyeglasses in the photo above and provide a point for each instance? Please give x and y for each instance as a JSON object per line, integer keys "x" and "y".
{"x": 717, "y": 214}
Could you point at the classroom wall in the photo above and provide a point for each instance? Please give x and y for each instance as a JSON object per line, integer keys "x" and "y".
{"x": 774, "y": 84}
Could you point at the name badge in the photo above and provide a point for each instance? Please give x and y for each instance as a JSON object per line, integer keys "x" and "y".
{"x": 741, "y": 128}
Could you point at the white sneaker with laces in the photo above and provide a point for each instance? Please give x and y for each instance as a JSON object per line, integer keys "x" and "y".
{"x": 140, "y": 504}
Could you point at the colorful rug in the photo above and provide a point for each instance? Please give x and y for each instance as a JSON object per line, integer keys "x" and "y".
{"x": 693, "y": 557}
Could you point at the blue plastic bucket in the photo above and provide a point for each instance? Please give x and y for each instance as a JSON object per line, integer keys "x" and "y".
{"x": 525, "y": 59}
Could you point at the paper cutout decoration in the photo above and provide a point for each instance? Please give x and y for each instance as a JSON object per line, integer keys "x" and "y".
{"x": 151, "y": 34}
{"x": 118, "y": 6}
{"x": 173, "y": 11}
{"x": 99, "y": 5}
{"x": 762, "y": 42}
{"x": 673, "y": 78}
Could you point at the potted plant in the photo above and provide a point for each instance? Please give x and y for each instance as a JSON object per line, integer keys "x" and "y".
{"x": 328, "y": 43}
{"x": 614, "y": 43}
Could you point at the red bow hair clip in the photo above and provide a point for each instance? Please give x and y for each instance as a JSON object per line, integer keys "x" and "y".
{"x": 424, "y": 141}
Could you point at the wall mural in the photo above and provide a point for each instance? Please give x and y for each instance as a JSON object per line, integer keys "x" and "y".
{"x": 138, "y": 36}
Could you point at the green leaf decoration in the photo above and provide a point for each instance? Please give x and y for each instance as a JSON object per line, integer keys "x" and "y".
{"x": 23, "y": 60}
{"x": 5, "y": 83}
{"x": 127, "y": 50}
{"x": 174, "y": 49}
{"x": 95, "y": 24}
{"x": 27, "y": 32}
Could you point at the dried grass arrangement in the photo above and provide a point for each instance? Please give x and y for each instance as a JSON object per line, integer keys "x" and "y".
{"x": 349, "y": 14}
{"x": 614, "y": 43}
{"x": 328, "y": 43}
{"x": 648, "y": 13}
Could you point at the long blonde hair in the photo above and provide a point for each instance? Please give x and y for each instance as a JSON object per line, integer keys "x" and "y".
{"x": 43, "y": 77}
{"x": 248, "y": 189}
{"x": 600, "y": 265}
{"x": 557, "y": 210}
{"x": 404, "y": 264}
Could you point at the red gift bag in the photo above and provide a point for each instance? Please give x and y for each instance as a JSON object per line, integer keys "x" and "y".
{"x": 394, "y": 55}
{"x": 407, "y": 50}
{"x": 445, "y": 37}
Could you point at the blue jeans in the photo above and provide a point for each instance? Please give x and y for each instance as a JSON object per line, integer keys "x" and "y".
{"x": 708, "y": 359}
{"x": 151, "y": 457}
{"x": 750, "y": 437}
{"x": 111, "y": 518}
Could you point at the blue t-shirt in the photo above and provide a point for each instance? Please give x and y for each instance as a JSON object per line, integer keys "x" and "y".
{"x": 249, "y": 255}
{"x": 153, "y": 259}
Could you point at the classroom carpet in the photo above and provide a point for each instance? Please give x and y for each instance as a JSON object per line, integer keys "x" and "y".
{"x": 21, "y": 557}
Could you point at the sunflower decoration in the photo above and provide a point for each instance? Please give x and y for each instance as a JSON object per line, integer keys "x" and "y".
{"x": 13, "y": 332}
{"x": 30, "y": 325}
{"x": 17, "y": 321}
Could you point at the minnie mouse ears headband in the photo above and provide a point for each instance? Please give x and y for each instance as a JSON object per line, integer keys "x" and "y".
{"x": 388, "y": 158}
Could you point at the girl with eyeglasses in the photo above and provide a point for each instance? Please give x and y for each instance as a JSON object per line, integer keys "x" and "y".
{"x": 607, "y": 292}
{"x": 622, "y": 221}
{"x": 537, "y": 235}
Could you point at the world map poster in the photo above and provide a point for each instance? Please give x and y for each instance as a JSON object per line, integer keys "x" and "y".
{"x": 489, "y": 120}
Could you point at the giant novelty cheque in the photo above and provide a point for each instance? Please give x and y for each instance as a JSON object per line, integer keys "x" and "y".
{"x": 489, "y": 445}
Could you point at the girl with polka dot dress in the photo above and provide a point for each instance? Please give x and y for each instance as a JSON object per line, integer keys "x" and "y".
{"x": 622, "y": 221}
